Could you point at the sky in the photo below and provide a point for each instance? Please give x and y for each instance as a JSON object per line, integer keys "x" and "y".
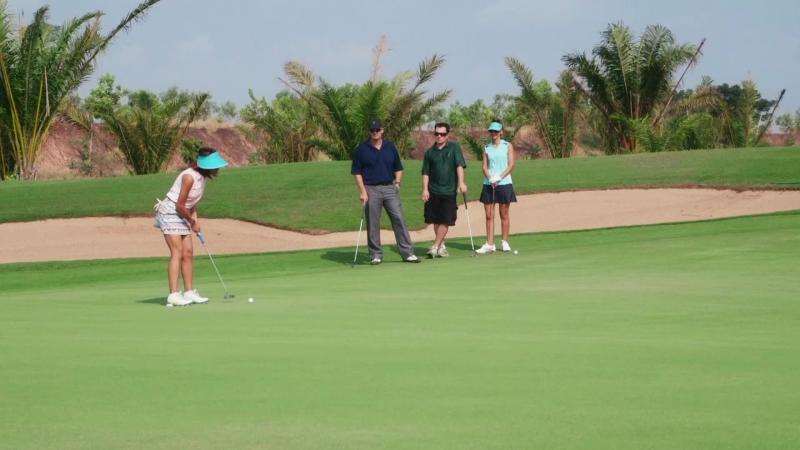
{"x": 229, "y": 47}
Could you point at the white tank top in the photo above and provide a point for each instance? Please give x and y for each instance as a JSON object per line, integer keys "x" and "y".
{"x": 195, "y": 193}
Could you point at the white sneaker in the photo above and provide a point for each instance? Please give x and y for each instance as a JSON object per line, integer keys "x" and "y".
{"x": 176, "y": 299}
{"x": 433, "y": 252}
{"x": 443, "y": 253}
{"x": 505, "y": 246}
{"x": 486, "y": 248}
{"x": 375, "y": 261}
{"x": 412, "y": 259}
{"x": 194, "y": 297}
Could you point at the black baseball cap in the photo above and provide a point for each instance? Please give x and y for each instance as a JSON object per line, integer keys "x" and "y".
{"x": 375, "y": 124}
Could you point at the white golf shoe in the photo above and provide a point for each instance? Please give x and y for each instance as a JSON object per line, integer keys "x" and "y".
{"x": 176, "y": 299}
{"x": 433, "y": 252}
{"x": 194, "y": 297}
{"x": 486, "y": 248}
{"x": 442, "y": 252}
{"x": 505, "y": 246}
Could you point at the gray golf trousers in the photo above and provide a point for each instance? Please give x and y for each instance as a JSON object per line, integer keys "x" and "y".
{"x": 386, "y": 197}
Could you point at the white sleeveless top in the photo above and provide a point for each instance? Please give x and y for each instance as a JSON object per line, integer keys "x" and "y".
{"x": 195, "y": 193}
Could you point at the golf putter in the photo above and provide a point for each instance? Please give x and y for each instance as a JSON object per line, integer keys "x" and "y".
{"x": 358, "y": 239}
{"x": 494, "y": 230}
{"x": 202, "y": 238}
{"x": 469, "y": 224}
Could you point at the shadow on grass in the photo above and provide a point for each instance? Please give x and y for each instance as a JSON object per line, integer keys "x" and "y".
{"x": 465, "y": 246}
{"x": 345, "y": 257}
{"x": 153, "y": 301}
{"x": 341, "y": 256}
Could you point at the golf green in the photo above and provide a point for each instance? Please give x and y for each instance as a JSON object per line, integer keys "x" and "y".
{"x": 658, "y": 337}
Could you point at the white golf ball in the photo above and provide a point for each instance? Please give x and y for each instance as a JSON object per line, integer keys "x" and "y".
{"x": 516, "y": 252}
{"x": 170, "y": 305}
{"x": 250, "y": 300}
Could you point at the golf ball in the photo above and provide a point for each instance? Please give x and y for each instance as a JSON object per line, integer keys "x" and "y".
{"x": 250, "y": 300}
{"x": 516, "y": 252}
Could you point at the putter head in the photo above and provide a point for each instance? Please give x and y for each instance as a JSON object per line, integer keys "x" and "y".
{"x": 228, "y": 296}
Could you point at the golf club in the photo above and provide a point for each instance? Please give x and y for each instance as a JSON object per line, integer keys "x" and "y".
{"x": 358, "y": 239}
{"x": 202, "y": 238}
{"x": 469, "y": 224}
{"x": 494, "y": 231}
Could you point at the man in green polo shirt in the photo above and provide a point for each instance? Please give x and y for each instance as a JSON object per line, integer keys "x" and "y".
{"x": 442, "y": 179}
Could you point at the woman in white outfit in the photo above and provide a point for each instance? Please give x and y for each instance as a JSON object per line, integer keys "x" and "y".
{"x": 498, "y": 162}
{"x": 176, "y": 217}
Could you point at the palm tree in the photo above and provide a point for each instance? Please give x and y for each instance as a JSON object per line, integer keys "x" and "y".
{"x": 335, "y": 109}
{"x": 343, "y": 112}
{"x": 552, "y": 114}
{"x": 709, "y": 116}
{"x": 287, "y": 125}
{"x": 628, "y": 80}
{"x": 149, "y": 128}
{"x": 40, "y": 66}
{"x": 408, "y": 104}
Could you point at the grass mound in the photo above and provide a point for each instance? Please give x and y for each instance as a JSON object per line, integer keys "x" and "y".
{"x": 323, "y": 196}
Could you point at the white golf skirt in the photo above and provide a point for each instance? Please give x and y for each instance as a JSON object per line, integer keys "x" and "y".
{"x": 168, "y": 220}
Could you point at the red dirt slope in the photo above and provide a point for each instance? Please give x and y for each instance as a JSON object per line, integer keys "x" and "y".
{"x": 62, "y": 149}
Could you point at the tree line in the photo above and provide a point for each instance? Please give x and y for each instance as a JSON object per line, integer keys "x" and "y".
{"x": 623, "y": 96}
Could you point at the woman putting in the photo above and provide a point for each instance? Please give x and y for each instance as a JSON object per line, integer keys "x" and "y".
{"x": 498, "y": 162}
{"x": 176, "y": 217}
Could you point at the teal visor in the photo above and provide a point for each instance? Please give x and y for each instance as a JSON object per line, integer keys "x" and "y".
{"x": 210, "y": 162}
{"x": 495, "y": 126}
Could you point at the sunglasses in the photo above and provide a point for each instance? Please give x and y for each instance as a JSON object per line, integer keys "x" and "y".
{"x": 493, "y": 132}
{"x": 374, "y": 130}
{"x": 436, "y": 133}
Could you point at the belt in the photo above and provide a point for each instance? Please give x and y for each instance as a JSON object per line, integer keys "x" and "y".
{"x": 388, "y": 183}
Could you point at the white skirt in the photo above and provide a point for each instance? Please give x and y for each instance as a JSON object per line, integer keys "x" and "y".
{"x": 168, "y": 220}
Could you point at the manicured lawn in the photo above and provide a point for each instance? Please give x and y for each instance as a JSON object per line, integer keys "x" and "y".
{"x": 659, "y": 337}
{"x": 322, "y": 196}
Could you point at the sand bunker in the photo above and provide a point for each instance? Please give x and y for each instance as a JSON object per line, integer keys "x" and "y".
{"x": 114, "y": 237}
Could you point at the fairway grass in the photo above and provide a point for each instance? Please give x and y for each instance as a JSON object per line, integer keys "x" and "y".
{"x": 679, "y": 336}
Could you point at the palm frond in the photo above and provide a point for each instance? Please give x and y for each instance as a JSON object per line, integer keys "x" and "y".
{"x": 401, "y": 80}
{"x": 338, "y": 123}
{"x": 73, "y": 113}
{"x": 427, "y": 70}
{"x": 617, "y": 52}
{"x": 370, "y": 102}
{"x": 136, "y": 15}
{"x": 474, "y": 147}
{"x": 423, "y": 107}
{"x": 125, "y": 24}
{"x": 299, "y": 75}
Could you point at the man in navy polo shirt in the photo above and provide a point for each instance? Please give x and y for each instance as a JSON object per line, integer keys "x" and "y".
{"x": 378, "y": 173}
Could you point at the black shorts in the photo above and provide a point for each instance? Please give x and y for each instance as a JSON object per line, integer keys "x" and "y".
{"x": 441, "y": 209}
{"x": 502, "y": 194}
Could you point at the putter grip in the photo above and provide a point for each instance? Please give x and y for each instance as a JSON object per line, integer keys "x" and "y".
{"x": 201, "y": 237}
